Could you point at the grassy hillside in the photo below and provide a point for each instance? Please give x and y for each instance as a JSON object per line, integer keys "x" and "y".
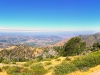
{"x": 72, "y": 65}
{"x": 26, "y": 60}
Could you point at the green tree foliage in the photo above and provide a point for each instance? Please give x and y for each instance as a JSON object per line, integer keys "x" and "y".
{"x": 74, "y": 47}
{"x": 96, "y": 46}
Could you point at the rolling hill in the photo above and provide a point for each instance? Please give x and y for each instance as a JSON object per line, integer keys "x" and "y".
{"x": 90, "y": 39}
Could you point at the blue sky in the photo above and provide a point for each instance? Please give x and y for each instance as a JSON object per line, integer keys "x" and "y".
{"x": 66, "y": 15}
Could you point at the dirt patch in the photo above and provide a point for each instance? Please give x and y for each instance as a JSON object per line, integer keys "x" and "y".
{"x": 95, "y": 73}
{"x": 3, "y": 73}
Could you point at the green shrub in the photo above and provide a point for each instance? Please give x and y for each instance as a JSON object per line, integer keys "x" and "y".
{"x": 12, "y": 69}
{"x": 13, "y": 62}
{"x": 5, "y": 67}
{"x": 15, "y": 74}
{"x": 21, "y": 74}
{"x": 38, "y": 69}
{"x": 5, "y": 61}
{"x": 82, "y": 63}
{"x": 50, "y": 68}
{"x": 27, "y": 64}
{"x": 90, "y": 60}
{"x": 58, "y": 59}
{"x": 47, "y": 59}
{"x": 15, "y": 70}
{"x": 64, "y": 68}
{"x": 68, "y": 59}
{"x": 39, "y": 58}
{"x": 48, "y": 63}
{"x": 55, "y": 57}
{"x": 25, "y": 73}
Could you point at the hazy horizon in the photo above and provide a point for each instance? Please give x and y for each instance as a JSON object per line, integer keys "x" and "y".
{"x": 21, "y": 30}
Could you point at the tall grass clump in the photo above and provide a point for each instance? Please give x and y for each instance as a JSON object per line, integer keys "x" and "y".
{"x": 68, "y": 59}
{"x": 29, "y": 63}
{"x": 64, "y": 68}
{"x": 58, "y": 59}
{"x": 12, "y": 69}
{"x": 38, "y": 69}
{"x": 16, "y": 70}
{"x": 48, "y": 63}
{"x": 47, "y": 59}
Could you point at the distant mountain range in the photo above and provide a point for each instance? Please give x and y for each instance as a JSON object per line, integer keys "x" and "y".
{"x": 90, "y": 39}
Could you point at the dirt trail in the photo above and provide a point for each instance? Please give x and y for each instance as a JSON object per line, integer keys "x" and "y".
{"x": 95, "y": 73}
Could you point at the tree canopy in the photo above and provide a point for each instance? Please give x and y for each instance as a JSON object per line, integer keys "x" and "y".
{"x": 74, "y": 46}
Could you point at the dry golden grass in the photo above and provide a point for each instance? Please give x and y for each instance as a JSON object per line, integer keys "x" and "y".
{"x": 12, "y": 47}
{"x": 3, "y": 73}
{"x": 9, "y": 48}
{"x": 20, "y": 63}
{"x": 54, "y": 63}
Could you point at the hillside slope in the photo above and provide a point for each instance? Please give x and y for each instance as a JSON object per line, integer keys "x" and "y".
{"x": 90, "y": 39}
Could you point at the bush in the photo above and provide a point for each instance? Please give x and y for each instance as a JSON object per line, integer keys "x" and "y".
{"x": 27, "y": 64}
{"x": 90, "y": 60}
{"x": 47, "y": 59}
{"x": 1, "y": 59}
{"x": 5, "y": 67}
{"x": 12, "y": 69}
{"x": 38, "y": 69}
{"x": 14, "y": 74}
{"x": 87, "y": 61}
{"x": 48, "y": 63}
{"x": 68, "y": 59}
{"x": 5, "y": 61}
{"x": 15, "y": 70}
{"x": 13, "y": 62}
{"x": 58, "y": 59}
{"x": 25, "y": 73}
{"x": 50, "y": 68}
{"x": 64, "y": 68}
{"x": 82, "y": 63}
{"x": 39, "y": 58}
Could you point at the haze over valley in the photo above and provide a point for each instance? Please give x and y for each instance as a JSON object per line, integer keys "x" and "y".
{"x": 37, "y": 39}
